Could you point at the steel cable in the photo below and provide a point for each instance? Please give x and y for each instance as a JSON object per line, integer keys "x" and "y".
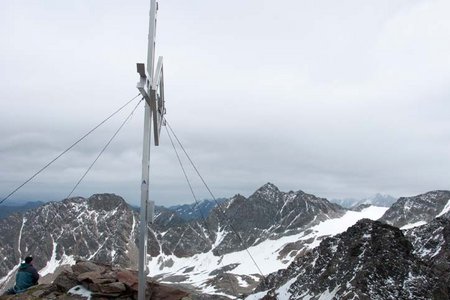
{"x": 67, "y": 150}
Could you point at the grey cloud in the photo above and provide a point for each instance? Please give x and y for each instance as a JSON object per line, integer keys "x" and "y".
{"x": 338, "y": 99}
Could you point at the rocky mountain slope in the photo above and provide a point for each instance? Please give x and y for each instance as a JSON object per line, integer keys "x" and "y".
{"x": 100, "y": 228}
{"x": 268, "y": 213}
{"x": 431, "y": 242}
{"x": 104, "y": 228}
{"x": 300, "y": 239}
{"x": 371, "y": 260}
{"x": 417, "y": 210}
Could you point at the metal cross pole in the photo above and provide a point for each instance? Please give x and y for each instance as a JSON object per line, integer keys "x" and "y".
{"x": 151, "y": 86}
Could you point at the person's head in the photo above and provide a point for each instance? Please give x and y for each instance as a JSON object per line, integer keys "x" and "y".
{"x": 28, "y": 259}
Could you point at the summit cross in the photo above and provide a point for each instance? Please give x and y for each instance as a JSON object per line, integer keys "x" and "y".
{"x": 151, "y": 87}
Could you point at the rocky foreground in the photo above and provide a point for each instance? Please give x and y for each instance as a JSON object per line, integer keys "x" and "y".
{"x": 91, "y": 280}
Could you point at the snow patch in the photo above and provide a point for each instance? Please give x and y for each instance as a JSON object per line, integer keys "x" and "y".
{"x": 256, "y": 296}
{"x": 113, "y": 254}
{"x": 9, "y": 275}
{"x": 445, "y": 210}
{"x": 335, "y": 226}
{"x": 241, "y": 282}
{"x": 53, "y": 263}
{"x": 283, "y": 291}
{"x": 80, "y": 291}
{"x": 327, "y": 295}
{"x": 219, "y": 238}
{"x": 412, "y": 225}
{"x": 20, "y": 237}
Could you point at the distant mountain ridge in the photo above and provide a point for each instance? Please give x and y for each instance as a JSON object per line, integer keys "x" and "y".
{"x": 9, "y": 208}
{"x": 378, "y": 199}
{"x": 194, "y": 211}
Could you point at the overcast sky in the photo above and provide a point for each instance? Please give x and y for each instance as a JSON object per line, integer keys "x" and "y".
{"x": 335, "y": 98}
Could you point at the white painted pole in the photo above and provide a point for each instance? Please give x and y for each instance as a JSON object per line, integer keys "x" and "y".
{"x": 151, "y": 41}
{"x": 144, "y": 203}
{"x": 145, "y": 215}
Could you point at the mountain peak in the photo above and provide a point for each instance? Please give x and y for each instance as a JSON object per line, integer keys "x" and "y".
{"x": 268, "y": 189}
{"x": 268, "y": 192}
{"x": 269, "y": 186}
{"x": 105, "y": 201}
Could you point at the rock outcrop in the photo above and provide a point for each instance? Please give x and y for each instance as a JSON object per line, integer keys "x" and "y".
{"x": 101, "y": 281}
{"x": 371, "y": 260}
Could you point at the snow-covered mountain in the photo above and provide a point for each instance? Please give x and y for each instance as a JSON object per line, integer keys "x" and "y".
{"x": 378, "y": 199}
{"x": 268, "y": 213}
{"x": 100, "y": 228}
{"x": 270, "y": 256}
{"x": 273, "y": 226}
{"x": 418, "y": 210}
{"x": 104, "y": 228}
{"x": 431, "y": 242}
{"x": 346, "y": 202}
{"x": 382, "y": 200}
{"x": 370, "y": 260}
{"x": 240, "y": 243}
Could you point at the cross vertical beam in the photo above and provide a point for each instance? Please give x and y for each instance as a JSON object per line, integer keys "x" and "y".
{"x": 144, "y": 213}
{"x": 151, "y": 87}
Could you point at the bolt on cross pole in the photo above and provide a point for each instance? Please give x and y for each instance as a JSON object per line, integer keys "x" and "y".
{"x": 151, "y": 87}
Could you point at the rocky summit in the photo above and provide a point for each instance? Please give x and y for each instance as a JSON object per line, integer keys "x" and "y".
{"x": 371, "y": 260}
{"x": 91, "y": 280}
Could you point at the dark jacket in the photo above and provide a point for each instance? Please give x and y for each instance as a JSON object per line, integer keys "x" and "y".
{"x": 26, "y": 276}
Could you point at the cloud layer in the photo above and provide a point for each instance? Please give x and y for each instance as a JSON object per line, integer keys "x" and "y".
{"x": 339, "y": 99}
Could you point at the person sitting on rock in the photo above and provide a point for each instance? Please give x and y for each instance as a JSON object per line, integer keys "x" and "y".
{"x": 26, "y": 277}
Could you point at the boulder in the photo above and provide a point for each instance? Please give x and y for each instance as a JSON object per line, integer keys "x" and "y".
{"x": 128, "y": 278}
{"x": 65, "y": 281}
{"x": 94, "y": 287}
{"x": 165, "y": 292}
{"x": 87, "y": 266}
{"x": 89, "y": 276}
{"x": 111, "y": 288}
{"x": 104, "y": 282}
{"x": 110, "y": 274}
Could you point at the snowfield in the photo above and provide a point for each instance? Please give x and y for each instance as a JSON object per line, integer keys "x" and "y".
{"x": 197, "y": 269}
